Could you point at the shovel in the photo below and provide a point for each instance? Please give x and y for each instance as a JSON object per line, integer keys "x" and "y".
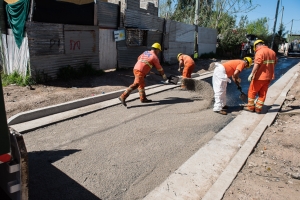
{"x": 242, "y": 96}
{"x": 171, "y": 79}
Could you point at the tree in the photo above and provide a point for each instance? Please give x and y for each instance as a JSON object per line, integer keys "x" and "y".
{"x": 211, "y": 11}
{"x": 231, "y": 36}
{"x": 281, "y": 33}
{"x": 259, "y": 28}
{"x": 165, "y": 8}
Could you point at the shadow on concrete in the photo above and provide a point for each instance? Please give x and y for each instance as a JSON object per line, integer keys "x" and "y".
{"x": 290, "y": 108}
{"x": 48, "y": 182}
{"x": 167, "y": 101}
{"x": 120, "y": 77}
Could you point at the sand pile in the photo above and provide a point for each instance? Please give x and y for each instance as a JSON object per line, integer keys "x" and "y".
{"x": 202, "y": 87}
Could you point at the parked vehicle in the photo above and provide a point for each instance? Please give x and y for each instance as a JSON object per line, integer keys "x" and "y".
{"x": 13, "y": 159}
{"x": 292, "y": 47}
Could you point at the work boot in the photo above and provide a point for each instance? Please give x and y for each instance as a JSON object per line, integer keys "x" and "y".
{"x": 122, "y": 101}
{"x": 222, "y": 112}
{"x": 146, "y": 100}
{"x": 257, "y": 110}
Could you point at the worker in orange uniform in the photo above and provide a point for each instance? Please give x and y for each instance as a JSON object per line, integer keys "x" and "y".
{"x": 262, "y": 73}
{"x": 220, "y": 78}
{"x": 186, "y": 66}
{"x": 145, "y": 62}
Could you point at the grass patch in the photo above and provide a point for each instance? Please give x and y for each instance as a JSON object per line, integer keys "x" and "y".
{"x": 16, "y": 78}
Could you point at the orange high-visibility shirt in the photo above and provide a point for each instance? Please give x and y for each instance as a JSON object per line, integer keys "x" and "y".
{"x": 146, "y": 61}
{"x": 232, "y": 65}
{"x": 187, "y": 60}
{"x": 266, "y": 58}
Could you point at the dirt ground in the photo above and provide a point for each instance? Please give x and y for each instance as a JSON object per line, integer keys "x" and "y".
{"x": 20, "y": 99}
{"x": 272, "y": 171}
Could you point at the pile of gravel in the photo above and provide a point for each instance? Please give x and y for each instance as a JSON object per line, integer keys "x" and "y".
{"x": 202, "y": 87}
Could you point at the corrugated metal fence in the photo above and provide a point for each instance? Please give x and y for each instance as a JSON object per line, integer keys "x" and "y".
{"x": 53, "y": 46}
{"x": 15, "y": 59}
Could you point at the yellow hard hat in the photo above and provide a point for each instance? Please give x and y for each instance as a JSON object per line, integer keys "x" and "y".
{"x": 256, "y": 42}
{"x": 249, "y": 61}
{"x": 179, "y": 55}
{"x": 156, "y": 46}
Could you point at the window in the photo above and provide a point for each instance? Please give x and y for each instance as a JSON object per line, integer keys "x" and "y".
{"x": 136, "y": 37}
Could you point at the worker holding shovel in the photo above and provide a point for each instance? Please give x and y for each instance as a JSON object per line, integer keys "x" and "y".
{"x": 186, "y": 67}
{"x": 145, "y": 62}
{"x": 261, "y": 76}
{"x": 220, "y": 78}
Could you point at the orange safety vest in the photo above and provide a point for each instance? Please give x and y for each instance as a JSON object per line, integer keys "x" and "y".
{"x": 146, "y": 61}
{"x": 266, "y": 58}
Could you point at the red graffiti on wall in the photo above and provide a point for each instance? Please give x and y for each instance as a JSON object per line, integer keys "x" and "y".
{"x": 74, "y": 44}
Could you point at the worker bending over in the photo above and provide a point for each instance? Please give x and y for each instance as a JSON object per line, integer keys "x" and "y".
{"x": 262, "y": 73}
{"x": 220, "y": 78}
{"x": 145, "y": 62}
{"x": 186, "y": 66}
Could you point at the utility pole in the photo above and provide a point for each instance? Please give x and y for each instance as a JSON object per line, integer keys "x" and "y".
{"x": 281, "y": 15}
{"x": 196, "y": 20}
{"x": 274, "y": 28}
{"x": 291, "y": 27}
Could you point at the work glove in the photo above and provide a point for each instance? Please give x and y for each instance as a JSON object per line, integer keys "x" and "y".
{"x": 164, "y": 77}
{"x": 250, "y": 77}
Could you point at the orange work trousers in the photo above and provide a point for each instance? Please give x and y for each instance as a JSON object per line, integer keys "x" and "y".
{"x": 260, "y": 88}
{"x": 139, "y": 82}
{"x": 187, "y": 71}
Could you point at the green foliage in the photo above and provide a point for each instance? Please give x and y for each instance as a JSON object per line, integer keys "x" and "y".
{"x": 16, "y": 78}
{"x": 165, "y": 8}
{"x": 281, "y": 33}
{"x": 230, "y": 36}
{"x": 259, "y": 28}
{"x": 68, "y": 72}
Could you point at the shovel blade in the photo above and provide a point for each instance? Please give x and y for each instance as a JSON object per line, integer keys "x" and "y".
{"x": 244, "y": 97}
{"x": 173, "y": 79}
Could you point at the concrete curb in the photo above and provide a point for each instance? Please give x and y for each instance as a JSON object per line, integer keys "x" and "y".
{"x": 50, "y": 110}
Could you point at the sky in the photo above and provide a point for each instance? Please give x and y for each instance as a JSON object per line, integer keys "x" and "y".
{"x": 267, "y": 8}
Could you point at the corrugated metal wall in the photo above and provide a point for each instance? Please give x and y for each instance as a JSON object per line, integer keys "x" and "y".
{"x": 76, "y": 45}
{"x": 207, "y": 40}
{"x": 179, "y": 38}
{"x": 15, "y": 58}
{"x": 142, "y": 20}
{"x": 107, "y": 49}
{"x": 45, "y": 38}
{"x": 108, "y": 15}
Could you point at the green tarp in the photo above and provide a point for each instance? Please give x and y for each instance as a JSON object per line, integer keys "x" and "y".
{"x": 17, "y": 16}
